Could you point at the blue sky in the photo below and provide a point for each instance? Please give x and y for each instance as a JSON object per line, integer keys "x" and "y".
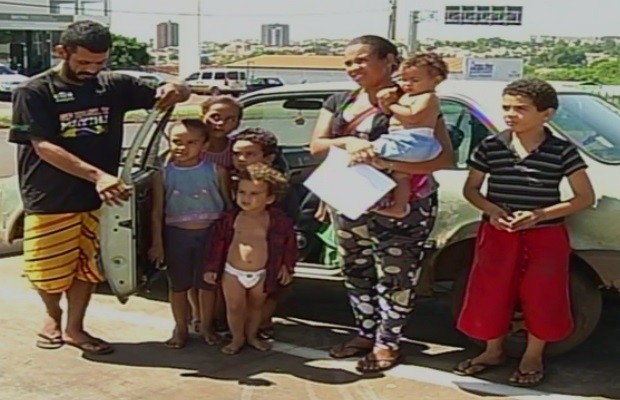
{"x": 230, "y": 19}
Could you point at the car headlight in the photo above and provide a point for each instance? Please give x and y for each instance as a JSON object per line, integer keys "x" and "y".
{"x": 6, "y": 87}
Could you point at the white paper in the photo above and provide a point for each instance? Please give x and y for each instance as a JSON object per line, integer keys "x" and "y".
{"x": 351, "y": 190}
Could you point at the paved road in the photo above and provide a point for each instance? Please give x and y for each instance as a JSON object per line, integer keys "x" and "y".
{"x": 142, "y": 368}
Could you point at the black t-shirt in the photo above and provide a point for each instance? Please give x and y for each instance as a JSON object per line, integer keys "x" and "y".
{"x": 86, "y": 120}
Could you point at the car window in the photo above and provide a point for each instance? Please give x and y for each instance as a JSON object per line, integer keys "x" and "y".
{"x": 232, "y": 75}
{"x": 220, "y": 76}
{"x": 292, "y": 126}
{"x": 192, "y": 77}
{"x": 242, "y": 76}
{"x": 207, "y": 75}
{"x": 591, "y": 123}
{"x": 464, "y": 128}
{"x": 273, "y": 81}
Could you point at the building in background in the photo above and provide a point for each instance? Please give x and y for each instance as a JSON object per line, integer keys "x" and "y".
{"x": 167, "y": 34}
{"x": 29, "y": 29}
{"x": 275, "y": 35}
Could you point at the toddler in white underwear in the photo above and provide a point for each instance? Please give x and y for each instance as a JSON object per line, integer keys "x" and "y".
{"x": 253, "y": 251}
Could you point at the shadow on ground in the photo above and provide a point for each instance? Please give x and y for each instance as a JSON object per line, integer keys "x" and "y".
{"x": 317, "y": 322}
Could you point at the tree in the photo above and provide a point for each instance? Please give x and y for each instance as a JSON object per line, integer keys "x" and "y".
{"x": 128, "y": 52}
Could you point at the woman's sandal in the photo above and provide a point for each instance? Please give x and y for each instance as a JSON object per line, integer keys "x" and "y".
{"x": 347, "y": 350}
{"x": 370, "y": 363}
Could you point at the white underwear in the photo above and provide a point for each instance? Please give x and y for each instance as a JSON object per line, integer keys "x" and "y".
{"x": 248, "y": 279}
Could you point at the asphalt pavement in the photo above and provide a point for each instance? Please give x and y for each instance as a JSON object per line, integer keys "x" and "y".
{"x": 314, "y": 318}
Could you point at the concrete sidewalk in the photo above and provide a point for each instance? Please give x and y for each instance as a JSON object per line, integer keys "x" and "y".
{"x": 142, "y": 368}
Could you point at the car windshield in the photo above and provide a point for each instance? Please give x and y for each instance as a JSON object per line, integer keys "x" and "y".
{"x": 591, "y": 123}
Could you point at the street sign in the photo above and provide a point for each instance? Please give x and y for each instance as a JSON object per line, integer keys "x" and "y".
{"x": 483, "y": 15}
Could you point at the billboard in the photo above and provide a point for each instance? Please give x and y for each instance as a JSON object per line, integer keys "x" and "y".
{"x": 500, "y": 69}
{"x": 483, "y": 15}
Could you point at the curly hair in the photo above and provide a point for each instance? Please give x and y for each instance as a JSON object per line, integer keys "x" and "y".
{"x": 223, "y": 99}
{"x": 433, "y": 62}
{"x": 275, "y": 180}
{"x": 542, "y": 94}
{"x": 262, "y": 137}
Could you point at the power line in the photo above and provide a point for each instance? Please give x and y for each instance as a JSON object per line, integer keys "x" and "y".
{"x": 190, "y": 14}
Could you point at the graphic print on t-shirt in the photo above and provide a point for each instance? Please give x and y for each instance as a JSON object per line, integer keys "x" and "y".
{"x": 89, "y": 122}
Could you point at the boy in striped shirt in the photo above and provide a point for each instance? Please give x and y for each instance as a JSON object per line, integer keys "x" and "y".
{"x": 522, "y": 248}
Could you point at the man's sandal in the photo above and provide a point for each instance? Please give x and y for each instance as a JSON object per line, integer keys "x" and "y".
{"x": 48, "y": 342}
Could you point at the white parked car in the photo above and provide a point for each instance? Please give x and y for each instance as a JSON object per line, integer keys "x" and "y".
{"x": 9, "y": 80}
{"x": 472, "y": 110}
{"x": 213, "y": 81}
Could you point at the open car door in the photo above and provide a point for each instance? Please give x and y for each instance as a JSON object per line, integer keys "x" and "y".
{"x": 123, "y": 253}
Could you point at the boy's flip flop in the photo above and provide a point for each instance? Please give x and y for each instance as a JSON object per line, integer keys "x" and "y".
{"x": 468, "y": 368}
{"x": 48, "y": 342}
{"x": 527, "y": 379}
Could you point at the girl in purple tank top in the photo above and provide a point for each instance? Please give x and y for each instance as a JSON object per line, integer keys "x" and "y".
{"x": 188, "y": 197}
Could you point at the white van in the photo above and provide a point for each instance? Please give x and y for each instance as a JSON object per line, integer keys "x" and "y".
{"x": 217, "y": 81}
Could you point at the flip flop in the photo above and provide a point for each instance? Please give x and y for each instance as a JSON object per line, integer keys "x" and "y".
{"x": 93, "y": 347}
{"x": 348, "y": 350}
{"x": 468, "y": 368}
{"x": 518, "y": 374}
{"x": 49, "y": 343}
{"x": 371, "y": 364}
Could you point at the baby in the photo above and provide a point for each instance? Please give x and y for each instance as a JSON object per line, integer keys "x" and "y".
{"x": 414, "y": 115}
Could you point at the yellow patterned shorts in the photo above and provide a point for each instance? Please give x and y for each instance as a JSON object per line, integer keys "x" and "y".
{"x": 59, "y": 248}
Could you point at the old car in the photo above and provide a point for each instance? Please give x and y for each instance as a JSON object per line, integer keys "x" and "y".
{"x": 472, "y": 110}
{"x": 263, "y": 82}
{"x": 9, "y": 80}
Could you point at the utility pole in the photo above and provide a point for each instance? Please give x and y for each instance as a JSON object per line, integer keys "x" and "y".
{"x": 414, "y": 20}
{"x": 392, "y": 20}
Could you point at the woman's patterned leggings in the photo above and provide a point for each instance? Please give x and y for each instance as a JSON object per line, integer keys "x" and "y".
{"x": 382, "y": 264}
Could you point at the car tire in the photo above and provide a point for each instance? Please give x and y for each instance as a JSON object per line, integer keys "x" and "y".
{"x": 215, "y": 92}
{"x": 586, "y": 302}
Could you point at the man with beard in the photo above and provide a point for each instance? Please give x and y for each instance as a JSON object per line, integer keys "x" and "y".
{"x": 68, "y": 124}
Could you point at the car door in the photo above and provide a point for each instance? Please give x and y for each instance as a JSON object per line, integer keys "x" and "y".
{"x": 466, "y": 129}
{"x": 124, "y": 228}
{"x": 291, "y": 117}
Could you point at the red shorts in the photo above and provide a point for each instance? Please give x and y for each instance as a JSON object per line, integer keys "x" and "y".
{"x": 528, "y": 267}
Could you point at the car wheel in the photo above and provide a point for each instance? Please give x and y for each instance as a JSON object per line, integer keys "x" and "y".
{"x": 215, "y": 91}
{"x": 586, "y": 302}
